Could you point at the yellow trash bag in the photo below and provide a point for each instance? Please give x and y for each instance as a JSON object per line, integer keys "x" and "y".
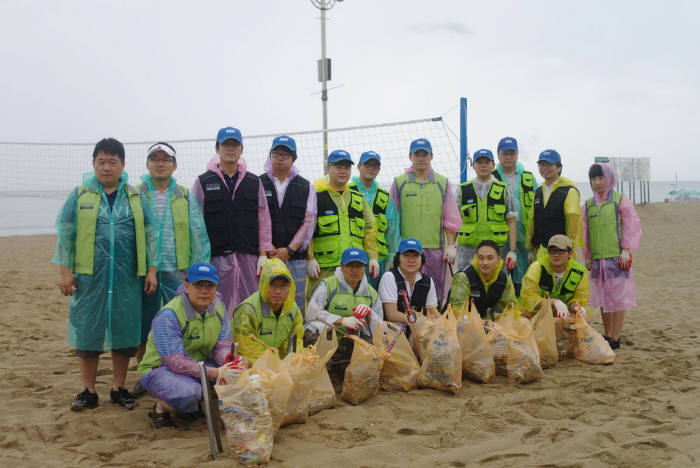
{"x": 591, "y": 347}
{"x": 497, "y": 337}
{"x": 276, "y": 383}
{"x": 322, "y": 392}
{"x": 523, "y": 363}
{"x": 400, "y": 371}
{"x": 477, "y": 358}
{"x": 546, "y": 335}
{"x": 361, "y": 380}
{"x": 246, "y": 416}
{"x": 566, "y": 337}
{"x": 303, "y": 367}
{"x": 442, "y": 357}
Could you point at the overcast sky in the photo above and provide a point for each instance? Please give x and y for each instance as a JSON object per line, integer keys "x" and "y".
{"x": 620, "y": 78}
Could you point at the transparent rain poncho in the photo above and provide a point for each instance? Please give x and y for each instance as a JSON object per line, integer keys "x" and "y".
{"x": 105, "y": 309}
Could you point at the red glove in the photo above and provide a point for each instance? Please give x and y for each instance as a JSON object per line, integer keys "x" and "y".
{"x": 361, "y": 311}
{"x": 625, "y": 260}
{"x": 231, "y": 362}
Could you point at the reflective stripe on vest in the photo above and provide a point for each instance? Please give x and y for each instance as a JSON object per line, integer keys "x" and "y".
{"x": 421, "y": 208}
{"x": 527, "y": 197}
{"x": 482, "y": 221}
{"x": 604, "y": 226}
{"x": 379, "y": 204}
{"x": 88, "y": 206}
{"x": 337, "y": 230}
{"x": 341, "y": 299}
{"x": 179, "y": 206}
{"x": 564, "y": 291}
{"x": 199, "y": 335}
{"x": 273, "y": 330}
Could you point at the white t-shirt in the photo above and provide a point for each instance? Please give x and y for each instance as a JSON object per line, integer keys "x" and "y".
{"x": 389, "y": 292}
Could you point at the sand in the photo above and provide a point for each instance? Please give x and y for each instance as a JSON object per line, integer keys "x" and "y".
{"x": 641, "y": 411}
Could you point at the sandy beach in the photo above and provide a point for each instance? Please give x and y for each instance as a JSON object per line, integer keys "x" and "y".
{"x": 642, "y": 411}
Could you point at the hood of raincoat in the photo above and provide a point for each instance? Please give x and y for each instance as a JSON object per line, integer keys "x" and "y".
{"x": 488, "y": 283}
{"x": 268, "y": 169}
{"x": 275, "y": 267}
{"x": 149, "y": 181}
{"x": 322, "y": 184}
{"x": 213, "y": 165}
{"x": 90, "y": 180}
{"x": 610, "y": 180}
{"x": 519, "y": 167}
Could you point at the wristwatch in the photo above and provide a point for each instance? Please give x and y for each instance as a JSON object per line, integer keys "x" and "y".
{"x": 291, "y": 251}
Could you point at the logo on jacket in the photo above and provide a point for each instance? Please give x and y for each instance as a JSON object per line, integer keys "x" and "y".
{"x": 211, "y": 187}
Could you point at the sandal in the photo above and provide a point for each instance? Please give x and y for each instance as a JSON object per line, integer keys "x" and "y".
{"x": 160, "y": 420}
{"x": 615, "y": 344}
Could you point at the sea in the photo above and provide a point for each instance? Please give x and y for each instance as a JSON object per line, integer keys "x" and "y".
{"x": 29, "y": 215}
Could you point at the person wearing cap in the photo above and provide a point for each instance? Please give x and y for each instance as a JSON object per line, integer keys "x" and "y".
{"x": 270, "y": 315}
{"x": 556, "y": 207}
{"x": 484, "y": 282}
{"x": 521, "y": 185}
{"x": 343, "y": 219}
{"x": 383, "y": 208}
{"x": 488, "y": 213}
{"x": 237, "y": 218}
{"x": 107, "y": 257}
{"x": 611, "y": 229}
{"x": 428, "y": 212}
{"x": 559, "y": 276}
{"x": 180, "y": 230}
{"x": 347, "y": 302}
{"x": 292, "y": 205}
{"x": 189, "y": 329}
{"x": 405, "y": 277}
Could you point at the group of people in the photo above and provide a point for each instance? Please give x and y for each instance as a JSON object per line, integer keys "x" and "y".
{"x": 174, "y": 276}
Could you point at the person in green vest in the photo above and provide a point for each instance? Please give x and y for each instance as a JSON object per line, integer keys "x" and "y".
{"x": 271, "y": 314}
{"x": 180, "y": 230}
{"x": 384, "y": 209}
{"x": 348, "y": 302}
{"x": 107, "y": 256}
{"x": 428, "y": 212}
{"x": 343, "y": 219}
{"x": 488, "y": 213}
{"x": 559, "y": 276}
{"x": 190, "y": 329}
{"x": 522, "y": 186}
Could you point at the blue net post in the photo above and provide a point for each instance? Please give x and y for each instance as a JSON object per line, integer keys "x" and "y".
{"x": 462, "y": 140}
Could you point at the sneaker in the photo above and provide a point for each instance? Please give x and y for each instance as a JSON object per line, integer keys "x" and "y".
{"x": 161, "y": 420}
{"x": 85, "y": 400}
{"x": 615, "y": 344}
{"x": 123, "y": 398}
{"x": 138, "y": 391}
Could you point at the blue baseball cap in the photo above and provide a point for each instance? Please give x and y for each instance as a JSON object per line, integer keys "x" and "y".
{"x": 482, "y": 153}
{"x": 410, "y": 244}
{"x": 229, "y": 133}
{"x": 202, "y": 272}
{"x": 421, "y": 144}
{"x": 367, "y": 155}
{"x": 353, "y": 254}
{"x": 508, "y": 143}
{"x": 339, "y": 156}
{"x": 286, "y": 141}
{"x": 551, "y": 156}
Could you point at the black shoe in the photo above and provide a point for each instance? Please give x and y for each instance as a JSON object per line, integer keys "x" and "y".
{"x": 85, "y": 400}
{"x": 160, "y": 420}
{"x": 123, "y": 398}
{"x": 609, "y": 340}
{"x": 138, "y": 390}
{"x": 615, "y": 344}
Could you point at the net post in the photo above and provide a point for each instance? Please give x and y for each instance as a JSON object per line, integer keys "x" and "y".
{"x": 462, "y": 140}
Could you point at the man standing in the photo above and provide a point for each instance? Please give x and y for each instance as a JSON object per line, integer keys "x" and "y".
{"x": 292, "y": 205}
{"x": 383, "y": 208}
{"x": 428, "y": 211}
{"x": 237, "y": 218}
{"x": 106, "y": 245}
{"x": 488, "y": 213}
{"x": 521, "y": 185}
{"x": 343, "y": 220}
{"x": 556, "y": 208}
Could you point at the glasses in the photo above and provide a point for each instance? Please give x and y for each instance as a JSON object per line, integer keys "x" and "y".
{"x": 557, "y": 251}
{"x": 161, "y": 160}
{"x": 373, "y": 165}
{"x": 204, "y": 285}
{"x": 280, "y": 155}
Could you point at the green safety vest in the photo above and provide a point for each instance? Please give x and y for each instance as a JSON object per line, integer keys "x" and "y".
{"x": 342, "y": 299}
{"x": 179, "y": 206}
{"x": 272, "y": 330}
{"x": 563, "y": 291}
{"x": 604, "y": 226}
{"x": 337, "y": 229}
{"x": 421, "y": 208}
{"x": 483, "y": 219}
{"x": 199, "y": 334}
{"x": 88, "y": 207}
{"x": 379, "y": 205}
{"x": 527, "y": 195}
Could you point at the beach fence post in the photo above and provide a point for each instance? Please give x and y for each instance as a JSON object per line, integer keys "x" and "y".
{"x": 463, "y": 155}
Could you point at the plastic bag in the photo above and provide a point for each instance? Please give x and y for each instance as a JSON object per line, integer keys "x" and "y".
{"x": 545, "y": 335}
{"x": 477, "y": 358}
{"x": 322, "y": 392}
{"x": 400, "y": 371}
{"x": 523, "y": 364}
{"x": 566, "y": 337}
{"x": 498, "y": 340}
{"x": 442, "y": 357}
{"x": 246, "y": 417}
{"x": 591, "y": 347}
{"x": 361, "y": 380}
{"x": 276, "y": 383}
{"x": 303, "y": 368}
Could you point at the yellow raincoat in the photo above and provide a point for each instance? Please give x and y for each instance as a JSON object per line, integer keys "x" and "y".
{"x": 531, "y": 292}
